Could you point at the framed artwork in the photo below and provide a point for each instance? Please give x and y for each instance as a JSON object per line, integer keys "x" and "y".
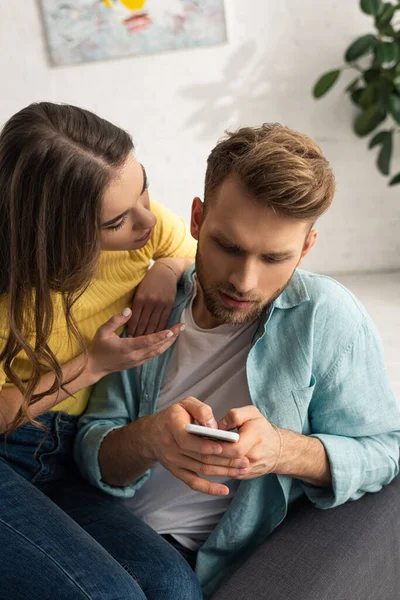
{"x": 86, "y": 30}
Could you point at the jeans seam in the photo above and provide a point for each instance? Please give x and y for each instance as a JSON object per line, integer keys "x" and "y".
{"x": 127, "y": 568}
{"x": 47, "y": 555}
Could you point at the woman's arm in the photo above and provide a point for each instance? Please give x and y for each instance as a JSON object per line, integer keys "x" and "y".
{"x": 108, "y": 353}
{"x": 155, "y": 296}
{"x": 173, "y": 249}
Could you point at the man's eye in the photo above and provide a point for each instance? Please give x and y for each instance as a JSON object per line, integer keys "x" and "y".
{"x": 270, "y": 260}
{"x": 230, "y": 249}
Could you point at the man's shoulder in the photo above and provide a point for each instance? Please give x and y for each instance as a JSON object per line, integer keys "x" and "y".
{"x": 327, "y": 295}
{"x": 332, "y": 311}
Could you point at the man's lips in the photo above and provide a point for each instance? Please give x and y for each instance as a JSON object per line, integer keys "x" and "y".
{"x": 233, "y": 302}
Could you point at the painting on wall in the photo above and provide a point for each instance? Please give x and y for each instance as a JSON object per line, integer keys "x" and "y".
{"x": 86, "y": 30}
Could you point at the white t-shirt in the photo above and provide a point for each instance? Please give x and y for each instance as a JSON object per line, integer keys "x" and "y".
{"x": 209, "y": 364}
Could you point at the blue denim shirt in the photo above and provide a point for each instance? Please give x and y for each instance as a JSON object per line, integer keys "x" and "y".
{"x": 316, "y": 367}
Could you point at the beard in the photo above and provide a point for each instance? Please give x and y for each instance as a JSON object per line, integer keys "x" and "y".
{"x": 225, "y": 314}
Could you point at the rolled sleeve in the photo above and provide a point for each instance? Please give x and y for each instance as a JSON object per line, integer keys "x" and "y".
{"x": 355, "y": 416}
{"x": 358, "y": 466}
{"x": 112, "y": 405}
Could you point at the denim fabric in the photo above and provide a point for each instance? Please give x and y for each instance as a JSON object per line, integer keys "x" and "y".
{"x": 88, "y": 547}
{"x": 316, "y": 367}
{"x": 42, "y": 455}
{"x": 189, "y": 555}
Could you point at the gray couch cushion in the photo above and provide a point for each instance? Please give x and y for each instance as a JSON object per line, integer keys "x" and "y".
{"x": 351, "y": 552}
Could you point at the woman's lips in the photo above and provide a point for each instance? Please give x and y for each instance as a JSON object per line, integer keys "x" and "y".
{"x": 146, "y": 235}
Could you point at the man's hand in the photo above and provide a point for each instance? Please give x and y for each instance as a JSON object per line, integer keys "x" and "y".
{"x": 259, "y": 441}
{"x": 187, "y": 456}
{"x": 273, "y": 450}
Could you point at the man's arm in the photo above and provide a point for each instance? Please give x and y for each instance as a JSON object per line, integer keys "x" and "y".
{"x": 354, "y": 417}
{"x": 124, "y": 455}
{"x": 273, "y": 450}
{"x": 304, "y": 457}
{"x": 115, "y": 450}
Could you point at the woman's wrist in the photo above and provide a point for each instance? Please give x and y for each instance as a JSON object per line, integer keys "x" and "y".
{"x": 165, "y": 262}
{"x": 92, "y": 371}
{"x": 177, "y": 265}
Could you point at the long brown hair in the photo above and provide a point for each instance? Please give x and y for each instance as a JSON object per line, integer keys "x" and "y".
{"x": 56, "y": 162}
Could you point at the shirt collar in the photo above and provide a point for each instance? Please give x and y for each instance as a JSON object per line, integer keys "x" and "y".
{"x": 294, "y": 294}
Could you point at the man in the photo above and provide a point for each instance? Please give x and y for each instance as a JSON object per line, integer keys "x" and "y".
{"x": 288, "y": 358}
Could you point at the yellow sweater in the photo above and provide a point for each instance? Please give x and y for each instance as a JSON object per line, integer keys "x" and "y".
{"x": 118, "y": 274}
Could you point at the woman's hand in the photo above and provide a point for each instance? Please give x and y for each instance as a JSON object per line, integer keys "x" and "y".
{"x": 155, "y": 295}
{"x": 110, "y": 353}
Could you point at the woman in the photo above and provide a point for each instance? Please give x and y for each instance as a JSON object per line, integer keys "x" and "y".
{"x": 77, "y": 237}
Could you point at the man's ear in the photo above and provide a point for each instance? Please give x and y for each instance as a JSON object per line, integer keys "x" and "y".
{"x": 309, "y": 243}
{"x": 197, "y": 217}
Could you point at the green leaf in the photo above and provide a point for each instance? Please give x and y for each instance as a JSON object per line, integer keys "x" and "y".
{"x": 395, "y": 179}
{"x": 367, "y": 121}
{"x": 360, "y": 47}
{"x": 386, "y": 14}
{"x": 355, "y": 96}
{"x": 394, "y": 107}
{"x": 384, "y": 92}
{"x": 371, "y": 7}
{"x": 371, "y": 75}
{"x": 368, "y": 96}
{"x": 378, "y": 138}
{"x": 385, "y": 154}
{"x": 396, "y": 83}
{"x": 387, "y": 54}
{"x": 325, "y": 83}
{"x": 353, "y": 85}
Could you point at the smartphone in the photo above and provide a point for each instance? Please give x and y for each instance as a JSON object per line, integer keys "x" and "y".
{"x": 213, "y": 434}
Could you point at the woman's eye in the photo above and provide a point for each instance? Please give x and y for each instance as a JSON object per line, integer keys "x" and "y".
{"x": 118, "y": 226}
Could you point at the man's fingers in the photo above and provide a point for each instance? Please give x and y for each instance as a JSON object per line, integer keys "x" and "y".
{"x": 200, "y": 412}
{"x": 236, "y": 417}
{"x": 211, "y": 470}
{"x": 221, "y": 461}
{"x": 198, "y": 484}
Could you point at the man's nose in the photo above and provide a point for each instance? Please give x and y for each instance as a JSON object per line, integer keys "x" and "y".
{"x": 244, "y": 278}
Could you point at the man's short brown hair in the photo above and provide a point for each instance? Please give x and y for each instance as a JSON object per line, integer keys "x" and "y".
{"x": 282, "y": 168}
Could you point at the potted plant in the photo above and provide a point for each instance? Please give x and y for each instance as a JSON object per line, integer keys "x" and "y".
{"x": 376, "y": 88}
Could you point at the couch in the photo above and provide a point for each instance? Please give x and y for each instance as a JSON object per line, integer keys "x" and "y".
{"x": 351, "y": 552}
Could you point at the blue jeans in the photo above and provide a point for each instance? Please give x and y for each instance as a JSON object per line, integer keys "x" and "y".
{"x": 88, "y": 545}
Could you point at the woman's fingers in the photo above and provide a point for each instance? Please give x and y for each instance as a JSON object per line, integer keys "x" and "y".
{"x": 116, "y": 321}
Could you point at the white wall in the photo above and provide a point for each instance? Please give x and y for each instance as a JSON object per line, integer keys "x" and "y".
{"x": 177, "y": 104}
